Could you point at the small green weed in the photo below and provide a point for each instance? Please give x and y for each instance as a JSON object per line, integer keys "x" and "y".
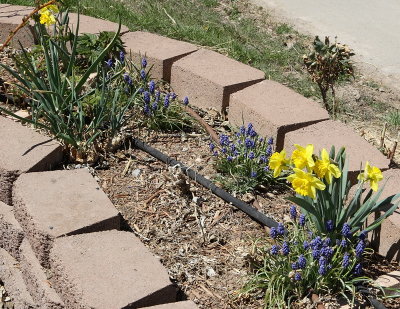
{"x": 283, "y": 28}
{"x": 393, "y": 118}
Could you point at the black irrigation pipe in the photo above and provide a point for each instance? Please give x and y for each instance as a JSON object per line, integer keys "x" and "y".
{"x": 246, "y": 208}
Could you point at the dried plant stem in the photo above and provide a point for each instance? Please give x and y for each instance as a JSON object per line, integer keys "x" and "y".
{"x": 25, "y": 19}
{"x": 382, "y": 143}
{"x": 393, "y": 151}
{"x": 204, "y": 124}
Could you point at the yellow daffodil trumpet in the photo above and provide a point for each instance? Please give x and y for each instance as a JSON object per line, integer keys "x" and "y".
{"x": 279, "y": 162}
{"x": 371, "y": 174}
{"x": 324, "y": 168}
{"x": 305, "y": 183}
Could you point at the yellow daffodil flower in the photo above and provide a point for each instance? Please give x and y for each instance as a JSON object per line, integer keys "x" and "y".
{"x": 278, "y": 162}
{"x": 302, "y": 157}
{"x": 324, "y": 167}
{"x": 305, "y": 183}
{"x": 47, "y": 15}
{"x": 371, "y": 174}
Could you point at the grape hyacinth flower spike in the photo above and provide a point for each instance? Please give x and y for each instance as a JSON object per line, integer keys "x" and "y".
{"x": 144, "y": 63}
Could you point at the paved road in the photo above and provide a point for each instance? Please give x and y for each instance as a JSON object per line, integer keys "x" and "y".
{"x": 370, "y": 27}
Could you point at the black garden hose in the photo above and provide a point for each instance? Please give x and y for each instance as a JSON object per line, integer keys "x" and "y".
{"x": 367, "y": 294}
{"x": 246, "y": 208}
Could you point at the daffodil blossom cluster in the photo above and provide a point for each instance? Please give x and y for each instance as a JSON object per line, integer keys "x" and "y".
{"x": 47, "y": 15}
{"x": 322, "y": 186}
{"x": 309, "y": 170}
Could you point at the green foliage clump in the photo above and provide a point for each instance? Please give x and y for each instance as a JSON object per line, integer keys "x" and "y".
{"x": 297, "y": 260}
{"x": 243, "y": 160}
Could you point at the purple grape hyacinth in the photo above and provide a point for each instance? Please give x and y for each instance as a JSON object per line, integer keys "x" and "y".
{"x": 297, "y": 276}
{"x": 281, "y": 229}
{"x": 302, "y": 220}
{"x": 360, "y": 248}
{"x": 346, "y": 260}
{"x": 152, "y": 86}
{"x": 274, "y": 250}
{"x": 143, "y": 74}
{"x": 146, "y": 97}
{"x": 144, "y": 62}
{"x": 293, "y": 212}
{"x": 273, "y": 233}
{"x": 302, "y": 261}
{"x": 346, "y": 230}
{"x": 285, "y": 248}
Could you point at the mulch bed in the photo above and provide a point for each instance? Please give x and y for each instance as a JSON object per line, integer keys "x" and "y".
{"x": 202, "y": 241}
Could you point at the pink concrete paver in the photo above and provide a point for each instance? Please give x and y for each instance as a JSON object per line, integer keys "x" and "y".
{"x": 274, "y": 110}
{"x": 386, "y": 238}
{"x": 160, "y": 52}
{"x": 209, "y": 78}
{"x": 188, "y": 304}
{"x": 11, "y": 16}
{"x": 327, "y": 133}
{"x": 37, "y": 282}
{"x": 11, "y": 234}
{"x": 108, "y": 270}
{"x": 59, "y": 203}
{"x": 11, "y": 276}
{"x": 23, "y": 150}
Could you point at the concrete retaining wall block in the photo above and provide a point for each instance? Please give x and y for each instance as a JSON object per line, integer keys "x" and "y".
{"x": 60, "y": 203}
{"x": 209, "y": 78}
{"x": 274, "y": 110}
{"x": 108, "y": 270}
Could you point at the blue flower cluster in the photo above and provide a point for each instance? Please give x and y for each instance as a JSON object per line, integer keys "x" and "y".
{"x": 317, "y": 251}
{"x": 153, "y": 100}
{"x": 246, "y": 149}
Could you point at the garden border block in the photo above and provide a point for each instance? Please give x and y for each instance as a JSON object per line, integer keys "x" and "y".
{"x": 273, "y": 109}
{"x": 209, "y": 78}
{"x": 12, "y": 278}
{"x": 22, "y": 150}
{"x": 11, "y": 234}
{"x": 108, "y": 270}
{"x": 36, "y": 280}
{"x": 61, "y": 203}
{"x": 326, "y": 133}
{"x": 161, "y": 52}
{"x": 10, "y": 17}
